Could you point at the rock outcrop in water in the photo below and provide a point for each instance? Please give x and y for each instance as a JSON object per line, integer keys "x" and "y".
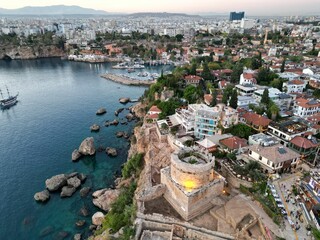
{"x": 119, "y": 134}
{"x": 87, "y": 147}
{"x": 68, "y": 183}
{"x": 114, "y": 122}
{"x": 124, "y": 100}
{"x": 111, "y": 151}
{"x": 95, "y": 128}
{"x": 101, "y": 111}
{"x": 42, "y": 196}
{"x": 118, "y": 111}
{"x": 105, "y": 197}
{"x": 74, "y": 182}
{"x": 56, "y": 182}
{"x": 67, "y": 191}
{"x": 84, "y": 191}
{"x": 97, "y": 218}
{"x": 75, "y": 155}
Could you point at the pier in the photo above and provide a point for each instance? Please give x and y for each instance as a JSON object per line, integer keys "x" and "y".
{"x": 127, "y": 80}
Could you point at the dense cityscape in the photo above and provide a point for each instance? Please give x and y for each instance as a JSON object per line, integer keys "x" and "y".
{"x": 225, "y": 144}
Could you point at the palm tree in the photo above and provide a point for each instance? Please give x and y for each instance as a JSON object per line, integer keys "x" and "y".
{"x": 274, "y": 111}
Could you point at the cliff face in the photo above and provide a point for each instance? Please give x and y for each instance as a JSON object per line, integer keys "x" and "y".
{"x": 28, "y": 52}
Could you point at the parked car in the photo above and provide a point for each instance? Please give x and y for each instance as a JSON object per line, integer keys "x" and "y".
{"x": 278, "y": 200}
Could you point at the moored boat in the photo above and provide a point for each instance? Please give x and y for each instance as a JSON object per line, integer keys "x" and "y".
{"x": 9, "y": 101}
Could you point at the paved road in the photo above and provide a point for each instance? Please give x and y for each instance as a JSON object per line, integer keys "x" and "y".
{"x": 282, "y": 185}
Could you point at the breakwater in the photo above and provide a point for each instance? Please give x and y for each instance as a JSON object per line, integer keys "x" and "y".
{"x": 127, "y": 80}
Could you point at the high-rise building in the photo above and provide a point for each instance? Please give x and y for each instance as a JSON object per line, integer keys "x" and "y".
{"x": 236, "y": 16}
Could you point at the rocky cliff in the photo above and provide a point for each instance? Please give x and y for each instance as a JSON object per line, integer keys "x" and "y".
{"x": 30, "y": 52}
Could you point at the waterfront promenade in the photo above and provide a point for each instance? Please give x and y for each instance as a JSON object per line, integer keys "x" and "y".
{"x": 127, "y": 80}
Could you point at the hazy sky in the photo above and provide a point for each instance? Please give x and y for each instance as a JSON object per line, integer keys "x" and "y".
{"x": 251, "y": 7}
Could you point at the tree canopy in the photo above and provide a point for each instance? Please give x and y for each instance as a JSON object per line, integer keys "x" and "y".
{"x": 234, "y": 99}
{"x": 191, "y": 93}
{"x": 265, "y": 97}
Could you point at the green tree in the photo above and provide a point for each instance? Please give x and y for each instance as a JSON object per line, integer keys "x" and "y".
{"x": 226, "y": 94}
{"x": 237, "y": 70}
{"x": 256, "y": 62}
{"x": 214, "y": 98}
{"x": 191, "y": 94}
{"x": 234, "y": 99}
{"x": 206, "y": 74}
{"x": 265, "y": 76}
{"x": 265, "y": 97}
{"x": 193, "y": 69}
{"x": 240, "y": 130}
{"x": 214, "y": 66}
{"x": 316, "y": 93}
{"x": 277, "y": 83}
{"x": 168, "y": 108}
{"x": 179, "y": 37}
{"x": 274, "y": 111}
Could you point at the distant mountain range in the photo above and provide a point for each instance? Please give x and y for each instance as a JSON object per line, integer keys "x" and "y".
{"x": 76, "y": 10}
{"x": 160, "y": 14}
{"x": 52, "y": 10}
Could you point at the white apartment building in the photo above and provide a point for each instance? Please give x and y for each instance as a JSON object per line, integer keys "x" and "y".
{"x": 306, "y": 107}
{"x": 282, "y": 100}
{"x": 245, "y": 89}
{"x": 248, "y": 77}
{"x": 244, "y": 101}
{"x": 247, "y": 23}
{"x": 201, "y": 120}
{"x": 294, "y": 86}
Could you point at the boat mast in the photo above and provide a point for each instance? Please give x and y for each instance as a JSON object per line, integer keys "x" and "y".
{"x": 8, "y": 91}
{"x": 1, "y": 94}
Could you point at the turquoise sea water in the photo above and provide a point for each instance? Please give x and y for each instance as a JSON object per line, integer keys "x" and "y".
{"x": 57, "y": 105}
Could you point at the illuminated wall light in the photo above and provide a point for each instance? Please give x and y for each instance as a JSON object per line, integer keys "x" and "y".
{"x": 189, "y": 185}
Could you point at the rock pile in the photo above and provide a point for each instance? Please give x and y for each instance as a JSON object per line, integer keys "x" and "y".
{"x": 68, "y": 183}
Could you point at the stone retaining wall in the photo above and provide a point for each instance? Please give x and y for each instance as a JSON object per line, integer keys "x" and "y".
{"x": 158, "y": 222}
{"x": 233, "y": 180}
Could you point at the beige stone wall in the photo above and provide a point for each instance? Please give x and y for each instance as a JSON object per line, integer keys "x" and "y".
{"x": 173, "y": 195}
{"x": 233, "y": 180}
{"x": 158, "y": 222}
{"x": 194, "y": 203}
{"x": 192, "y": 176}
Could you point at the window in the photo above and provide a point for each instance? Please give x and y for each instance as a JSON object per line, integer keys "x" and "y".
{"x": 268, "y": 162}
{"x": 260, "y": 158}
{"x": 250, "y": 152}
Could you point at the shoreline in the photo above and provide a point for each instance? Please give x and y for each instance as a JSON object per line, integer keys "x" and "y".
{"x": 126, "y": 80}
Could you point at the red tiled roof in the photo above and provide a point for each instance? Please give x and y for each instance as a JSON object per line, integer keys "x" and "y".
{"x": 248, "y": 75}
{"x": 302, "y": 102}
{"x": 295, "y": 70}
{"x": 303, "y": 142}
{"x": 192, "y": 78}
{"x": 153, "y": 116}
{"x": 256, "y": 119}
{"x": 154, "y": 108}
{"x": 233, "y": 143}
{"x": 297, "y": 82}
